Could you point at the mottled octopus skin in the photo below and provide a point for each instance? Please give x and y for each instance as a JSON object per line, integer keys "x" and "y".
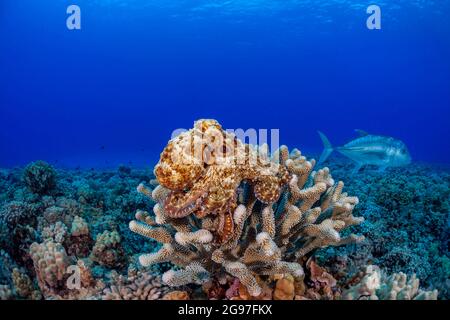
{"x": 203, "y": 176}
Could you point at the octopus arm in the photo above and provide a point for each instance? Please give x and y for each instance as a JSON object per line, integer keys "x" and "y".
{"x": 181, "y": 204}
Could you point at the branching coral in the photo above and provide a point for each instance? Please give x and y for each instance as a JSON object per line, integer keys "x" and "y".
{"x": 16, "y": 228}
{"x": 22, "y": 283}
{"x": 56, "y": 232}
{"x": 40, "y": 177}
{"x": 79, "y": 227}
{"x": 107, "y": 250}
{"x": 56, "y": 280}
{"x": 50, "y": 263}
{"x": 5, "y": 292}
{"x": 15, "y": 212}
{"x": 271, "y": 227}
{"x": 136, "y": 286}
{"x": 79, "y": 242}
{"x": 375, "y": 285}
{"x": 52, "y": 215}
{"x": 7, "y": 265}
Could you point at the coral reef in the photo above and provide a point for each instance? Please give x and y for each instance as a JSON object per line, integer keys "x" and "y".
{"x": 407, "y": 214}
{"x": 265, "y": 235}
{"x": 243, "y": 233}
{"x": 47, "y": 239}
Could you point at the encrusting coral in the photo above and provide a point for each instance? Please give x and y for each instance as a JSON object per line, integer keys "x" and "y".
{"x": 284, "y": 289}
{"x": 321, "y": 284}
{"x": 176, "y": 295}
{"x": 241, "y": 212}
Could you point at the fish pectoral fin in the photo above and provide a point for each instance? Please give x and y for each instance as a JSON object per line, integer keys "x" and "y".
{"x": 361, "y": 133}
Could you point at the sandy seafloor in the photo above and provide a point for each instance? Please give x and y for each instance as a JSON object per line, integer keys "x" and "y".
{"x": 406, "y": 226}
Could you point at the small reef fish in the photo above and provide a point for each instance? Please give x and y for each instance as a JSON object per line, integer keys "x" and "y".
{"x": 370, "y": 149}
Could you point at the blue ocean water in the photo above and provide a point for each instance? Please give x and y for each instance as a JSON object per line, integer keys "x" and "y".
{"x": 114, "y": 91}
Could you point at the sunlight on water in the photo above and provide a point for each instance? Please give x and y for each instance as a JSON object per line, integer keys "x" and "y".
{"x": 320, "y": 12}
{"x": 267, "y": 6}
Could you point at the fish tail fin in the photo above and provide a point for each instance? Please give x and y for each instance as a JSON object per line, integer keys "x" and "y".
{"x": 327, "y": 148}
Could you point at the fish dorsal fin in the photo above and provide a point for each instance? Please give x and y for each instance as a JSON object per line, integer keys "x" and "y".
{"x": 361, "y": 133}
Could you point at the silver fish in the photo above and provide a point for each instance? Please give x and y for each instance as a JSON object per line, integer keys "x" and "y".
{"x": 370, "y": 149}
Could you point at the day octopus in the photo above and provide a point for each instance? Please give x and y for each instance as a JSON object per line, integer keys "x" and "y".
{"x": 203, "y": 169}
